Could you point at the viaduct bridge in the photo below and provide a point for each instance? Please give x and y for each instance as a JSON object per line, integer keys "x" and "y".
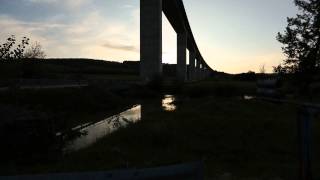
{"x": 151, "y": 41}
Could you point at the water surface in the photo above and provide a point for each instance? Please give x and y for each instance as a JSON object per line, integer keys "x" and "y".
{"x": 91, "y": 133}
{"x": 168, "y": 103}
{"x": 248, "y": 97}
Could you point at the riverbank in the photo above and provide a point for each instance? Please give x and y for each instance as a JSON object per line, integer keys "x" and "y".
{"x": 213, "y": 123}
{"x": 31, "y": 118}
{"x": 228, "y": 134}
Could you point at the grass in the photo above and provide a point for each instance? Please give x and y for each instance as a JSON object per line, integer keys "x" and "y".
{"x": 228, "y": 134}
{"x": 30, "y": 119}
{"x": 219, "y": 88}
{"x": 249, "y": 139}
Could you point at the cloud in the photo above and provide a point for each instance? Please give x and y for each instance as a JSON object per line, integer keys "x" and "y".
{"x": 89, "y": 35}
{"x": 70, "y": 4}
{"x": 32, "y": 30}
{"x": 113, "y": 45}
{"x": 128, "y": 6}
{"x": 95, "y": 29}
{"x": 42, "y": 1}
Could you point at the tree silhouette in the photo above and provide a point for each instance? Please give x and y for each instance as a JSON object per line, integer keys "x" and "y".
{"x": 9, "y": 51}
{"x": 35, "y": 51}
{"x": 262, "y": 69}
{"x": 301, "y": 40}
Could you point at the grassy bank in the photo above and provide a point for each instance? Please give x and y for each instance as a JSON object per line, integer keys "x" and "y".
{"x": 229, "y": 135}
{"x": 228, "y": 88}
{"x": 244, "y": 138}
{"x": 247, "y": 139}
{"x": 31, "y": 118}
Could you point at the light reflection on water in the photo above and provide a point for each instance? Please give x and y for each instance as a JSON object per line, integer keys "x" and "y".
{"x": 168, "y": 103}
{"x": 247, "y": 97}
{"x": 94, "y": 132}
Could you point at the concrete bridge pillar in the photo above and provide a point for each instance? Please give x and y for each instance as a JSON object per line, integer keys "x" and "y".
{"x": 150, "y": 39}
{"x": 208, "y": 72}
{"x": 198, "y": 70}
{"x": 192, "y": 65}
{"x": 181, "y": 56}
{"x": 201, "y": 71}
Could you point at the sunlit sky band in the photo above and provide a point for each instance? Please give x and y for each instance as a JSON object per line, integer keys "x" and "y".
{"x": 233, "y": 35}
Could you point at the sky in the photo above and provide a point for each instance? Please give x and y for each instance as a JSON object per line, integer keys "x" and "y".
{"x": 233, "y": 36}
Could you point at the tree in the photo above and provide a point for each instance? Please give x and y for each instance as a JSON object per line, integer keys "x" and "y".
{"x": 35, "y": 52}
{"x": 9, "y": 51}
{"x": 262, "y": 69}
{"x": 280, "y": 70}
{"x": 301, "y": 40}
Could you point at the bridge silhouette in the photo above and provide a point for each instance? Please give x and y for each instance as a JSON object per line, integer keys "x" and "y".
{"x": 151, "y": 67}
{"x": 151, "y": 41}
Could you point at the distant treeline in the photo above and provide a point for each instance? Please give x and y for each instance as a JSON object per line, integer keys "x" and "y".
{"x": 248, "y": 76}
{"x": 79, "y": 68}
{"x": 72, "y": 68}
{"x": 64, "y": 68}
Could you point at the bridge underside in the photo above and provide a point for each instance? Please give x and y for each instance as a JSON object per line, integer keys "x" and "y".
{"x": 151, "y": 41}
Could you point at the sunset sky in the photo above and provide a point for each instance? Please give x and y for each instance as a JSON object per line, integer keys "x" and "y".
{"x": 233, "y": 35}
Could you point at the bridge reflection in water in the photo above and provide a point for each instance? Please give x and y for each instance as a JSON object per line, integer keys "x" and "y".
{"x": 90, "y": 133}
{"x": 168, "y": 103}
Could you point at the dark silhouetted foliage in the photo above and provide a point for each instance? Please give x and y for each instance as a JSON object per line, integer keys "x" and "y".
{"x": 249, "y": 76}
{"x": 35, "y": 51}
{"x": 8, "y": 50}
{"x": 301, "y": 40}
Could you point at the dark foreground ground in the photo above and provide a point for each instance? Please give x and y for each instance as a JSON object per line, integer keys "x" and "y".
{"x": 234, "y": 137}
{"x": 244, "y": 138}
